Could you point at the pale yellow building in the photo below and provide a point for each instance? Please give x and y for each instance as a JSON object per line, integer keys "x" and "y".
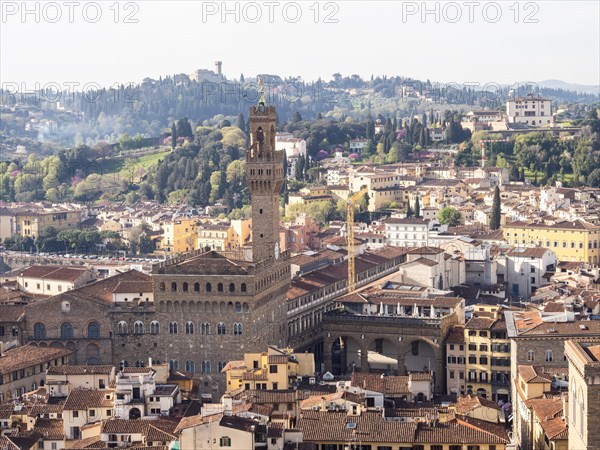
{"x": 271, "y": 370}
{"x": 180, "y": 236}
{"x": 487, "y": 354}
{"x": 569, "y": 240}
{"x": 30, "y": 222}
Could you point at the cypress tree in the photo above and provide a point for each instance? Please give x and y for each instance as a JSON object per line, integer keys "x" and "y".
{"x": 417, "y": 208}
{"x": 495, "y": 220}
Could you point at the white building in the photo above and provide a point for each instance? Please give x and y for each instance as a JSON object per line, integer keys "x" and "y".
{"x": 407, "y": 232}
{"x": 357, "y": 145}
{"x": 530, "y": 110}
{"x": 293, "y": 148}
{"x": 526, "y": 268}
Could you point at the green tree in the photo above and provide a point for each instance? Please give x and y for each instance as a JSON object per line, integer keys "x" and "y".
{"x": 173, "y": 135}
{"x": 417, "y": 207}
{"x": 495, "y": 220}
{"x": 450, "y": 216}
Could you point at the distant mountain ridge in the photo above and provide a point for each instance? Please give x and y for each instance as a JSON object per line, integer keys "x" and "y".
{"x": 559, "y": 84}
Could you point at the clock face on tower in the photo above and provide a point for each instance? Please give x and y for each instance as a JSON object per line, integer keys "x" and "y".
{"x": 276, "y": 250}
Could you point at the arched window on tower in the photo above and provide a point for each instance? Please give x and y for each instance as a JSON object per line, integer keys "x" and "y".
{"x": 138, "y": 327}
{"x": 189, "y": 328}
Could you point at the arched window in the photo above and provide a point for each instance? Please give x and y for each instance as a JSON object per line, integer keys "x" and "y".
{"x": 205, "y": 367}
{"x": 220, "y": 287}
{"x": 39, "y": 331}
{"x": 93, "y": 331}
{"x": 162, "y": 286}
{"x": 221, "y": 328}
{"x": 548, "y": 355}
{"x": 237, "y": 329}
{"x": 238, "y": 307}
{"x": 196, "y": 287}
{"x": 208, "y": 287}
{"x": 205, "y": 329}
{"x": 221, "y": 365}
{"x": 139, "y": 363}
{"x": 66, "y": 331}
{"x": 189, "y": 328}
{"x": 185, "y": 287}
{"x": 154, "y": 327}
{"x": 138, "y": 327}
{"x": 174, "y": 364}
{"x": 174, "y": 287}
{"x": 243, "y": 287}
{"x": 172, "y": 327}
{"x": 190, "y": 366}
{"x": 122, "y": 327}
{"x": 530, "y": 355}
{"x": 231, "y": 287}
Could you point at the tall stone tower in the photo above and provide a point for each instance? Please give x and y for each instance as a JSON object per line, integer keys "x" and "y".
{"x": 264, "y": 175}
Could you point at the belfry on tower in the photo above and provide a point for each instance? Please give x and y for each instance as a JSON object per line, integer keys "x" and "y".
{"x": 265, "y": 177}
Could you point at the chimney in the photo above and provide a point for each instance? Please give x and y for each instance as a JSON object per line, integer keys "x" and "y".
{"x": 218, "y": 65}
{"x": 323, "y": 404}
{"x": 150, "y": 362}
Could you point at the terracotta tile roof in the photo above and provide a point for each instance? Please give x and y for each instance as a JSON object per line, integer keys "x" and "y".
{"x": 80, "y": 370}
{"x": 146, "y": 428}
{"x": 263, "y": 410}
{"x": 468, "y": 403}
{"x": 130, "y": 287}
{"x": 7, "y": 444}
{"x": 425, "y": 251}
{"x": 387, "y": 385}
{"x": 29, "y": 355}
{"x": 103, "y": 289}
{"x": 278, "y": 359}
{"x": 12, "y": 313}
{"x": 456, "y": 335}
{"x": 194, "y": 421}
{"x": 54, "y": 273}
{"x": 533, "y": 374}
{"x": 575, "y": 328}
{"x": 419, "y": 376}
{"x": 331, "y": 426}
{"x": 91, "y": 442}
{"x": 234, "y": 365}
{"x": 547, "y": 411}
{"x": 425, "y": 261}
{"x": 51, "y": 429}
{"x": 594, "y": 350}
{"x": 479, "y": 323}
{"x": 80, "y": 399}
{"x": 554, "y": 307}
{"x": 527, "y": 252}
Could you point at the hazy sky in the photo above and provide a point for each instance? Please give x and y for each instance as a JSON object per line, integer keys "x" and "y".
{"x": 460, "y": 42}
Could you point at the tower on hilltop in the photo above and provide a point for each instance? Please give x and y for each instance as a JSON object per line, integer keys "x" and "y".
{"x": 264, "y": 175}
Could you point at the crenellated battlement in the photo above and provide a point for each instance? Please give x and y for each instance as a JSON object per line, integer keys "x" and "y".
{"x": 258, "y": 111}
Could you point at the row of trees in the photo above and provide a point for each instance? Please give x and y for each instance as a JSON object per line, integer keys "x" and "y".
{"x": 79, "y": 241}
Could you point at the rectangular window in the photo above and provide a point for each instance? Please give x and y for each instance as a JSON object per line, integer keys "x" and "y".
{"x": 75, "y": 413}
{"x": 225, "y": 441}
{"x": 92, "y": 413}
{"x": 272, "y": 369}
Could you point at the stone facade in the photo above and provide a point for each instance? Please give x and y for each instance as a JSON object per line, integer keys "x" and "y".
{"x": 210, "y": 308}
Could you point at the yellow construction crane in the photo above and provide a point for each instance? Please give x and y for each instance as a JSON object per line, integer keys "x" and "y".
{"x": 350, "y": 236}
